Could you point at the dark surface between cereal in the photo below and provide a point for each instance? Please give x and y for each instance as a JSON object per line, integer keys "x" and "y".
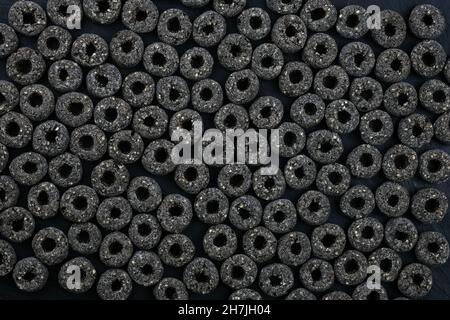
{"x": 55, "y": 146}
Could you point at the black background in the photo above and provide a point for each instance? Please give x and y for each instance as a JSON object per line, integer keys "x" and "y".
{"x": 441, "y": 275}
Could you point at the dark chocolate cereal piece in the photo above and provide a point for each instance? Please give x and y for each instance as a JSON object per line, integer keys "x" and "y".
{"x": 9, "y": 96}
{"x": 254, "y": 23}
{"x": 126, "y": 146}
{"x": 201, "y": 276}
{"x": 209, "y": 28}
{"x": 145, "y": 268}
{"x": 358, "y": 202}
{"x": 127, "y": 49}
{"x": 28, "y": 168}
{"x": 10, "y": 40}
{"x": 415, "y": 280}
{"x": 268, "y": 187}
{"x": 175, "y": 213}
{"x": 110, "y": 178}
{"x": 140, "y": 16}
{"x": 245, "y": 212}
{"x": 115, "y": 250}
{"x": 366, "y": 93}
{"x": 442, "y": 128}
{"x": 333, "y": 179}
{"x": 79, "y": 204}
{"x": 173, "y": 93}
{"x": 308, "y": 110}
{"x": 160, "y": 59}
{"x": 150, "y": 122}
{"x": 434, "y": 166}
{"x": 242, "y": 86}
{"x": 376, "y": 127}
{"x": 43, "y": 200}
{"x": 59, "y": 10}
{"x": 300, "y": 172}
{"x": 30, "y": 274}
{"x": 336, "y": 296}
{"x": 317, "y": 275}
{"x": 104, "y": 81}
{"x": 365, "y": 234}
{"x": 114, "y": 213}
{"x": 426, "y": 21}
{"x": 174, "y": 27}
{"x": 388, "y": 261}
{"x": 138, "y": 89}
{"x": 238, "y": 271}
{"x": 294, "y": 248}
{"x": 363, "y": 292}
{"x": 50, "y": 138}
{"x": 234, "y": 179}
{"x": 324, "y": 146}
{"x": 434, "y": 96}
{"x": 267, "y": 61}
{"x": 276, "y": 279}
{"x": 393, "y": 65}
{"x": 4, "y": 157}
{"x": 400, "y": 163}
{"x": 88, "y": 142}
{"x": 196, "y": 64}
{"x": 144, "y": 194}
{"x": 27, "y": 18}
{"x": 428, "y": 58}
{"x": 206, "y": 96}
{"x": 50, "y": 246}
{"x": 192, "y": 178}
{"x": 102, "y": 11}
{"x": 112, "y": 114}
{"x": 364, "y": 161}
{"x": 170, "y": 289}
{"x": 400, "y": 234}
{"x": 393, "y": 30}
{"x": 74, "y": 109}
{"x": 8, "y": 258}
{"x": 331, "y": 83}
{"x": 68, "y": 269}
{"x": 283, "y": 6}
{"x": 432, "y": 248}
{"x": 229, "y": 8}
{"x": 54, "y": 43}
{"x": 319, "y": 15}
{"x": 289, "y": 33}
{"x": 245, "y": 294}
{"x": 157, "y": 157}
{"x": 350, "y": 268}
{"x": 144, "y": 231}
{"x": 429, "y": 205}
{"x": 220, "y": 242}
{"x": 295, "y": 79}
{"x": 65, "y": 170}
{"x": 357, "y": 58}
{"x": 65, "y": 76}
{"x": 266, "y": 112}
{"x": 328, "y": 241}
{"x": 292, "y": 139}
{"x": 415, "y": 130}
{"x": 176, "y": 250}
{"x": 211, "y": 206}
{"x": 25, "y": 66}
{"x": 320, "y": 51}
{"x": 259, "y": 244}
{"x": 10, "y": 189}
{"x": 392, "y": 199}
{"x": 114, "y": 284}
{"x": 89, "y": 50}
{"x": 342, "y": 116}
{"x": 313, "y": 207}
{"x": 17, "y": 224}
{"x": 400, "y": 99}
{"x": 280, "y": 216}
{"x": 15, "y": 130}
{"x": 84, "y": 238}
{"x": 352, "y": 22}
